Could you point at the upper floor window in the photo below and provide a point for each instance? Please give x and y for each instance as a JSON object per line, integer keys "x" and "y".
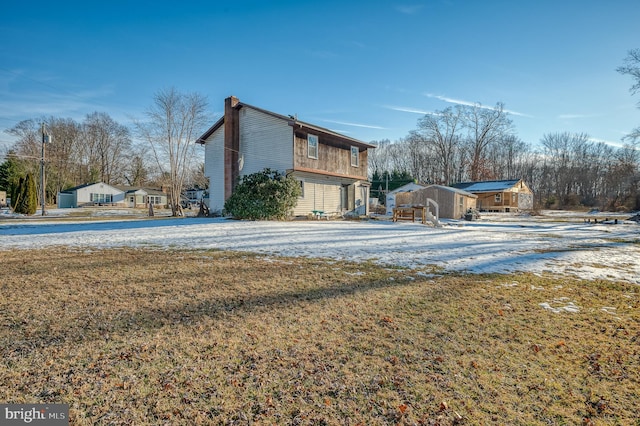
{"x": 355, "y": 156}
{"x": 312, "y": 146}
{"x": 498, "y": 197}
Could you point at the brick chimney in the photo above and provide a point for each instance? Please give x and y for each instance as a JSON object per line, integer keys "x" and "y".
{"x": 231, "y": 144}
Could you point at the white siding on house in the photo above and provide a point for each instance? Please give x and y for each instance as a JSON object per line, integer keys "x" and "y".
{"x": 83, "y": 195}
{"x": 329, "y": 193}
{"x": 97, "y": 193}
{"x": 265, "y": 141}
{"x": 319, "y": 195}
{"x": 214, "y": 169}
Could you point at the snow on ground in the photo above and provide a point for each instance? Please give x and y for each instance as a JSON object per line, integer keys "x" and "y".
{"x": 555, "y": 243}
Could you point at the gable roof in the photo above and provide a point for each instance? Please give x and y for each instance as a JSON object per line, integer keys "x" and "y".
{"x": 451, "y": 189}
{"x": 408, "y": 187}
{"x": 291, "y": 120}
{"x": 75, "y": 188}
{"x": 140, "y": 189}
{"x": 487, "y": 186}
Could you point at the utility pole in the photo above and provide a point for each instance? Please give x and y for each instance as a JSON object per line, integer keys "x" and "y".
{"x": 46, "y": 138}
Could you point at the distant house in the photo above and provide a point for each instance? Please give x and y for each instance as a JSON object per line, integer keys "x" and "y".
{"x": 102, "y": 194}
{"x": 391, "y": 200}
{"x": 92, "y": 194}
{"x": 138, "y": 197}
{"x": 331, "y": 168}
{"x": 3, "y": 198}
{"x": 500, "y": 195}
{"x": 452, "y": 203}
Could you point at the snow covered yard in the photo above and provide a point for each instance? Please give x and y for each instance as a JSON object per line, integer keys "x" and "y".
{"x": 554, "y": 243}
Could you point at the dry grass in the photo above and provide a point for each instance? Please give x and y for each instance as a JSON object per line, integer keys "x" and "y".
{"x": 174, "y": 337}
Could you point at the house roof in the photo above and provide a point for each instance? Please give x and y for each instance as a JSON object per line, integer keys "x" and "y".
{"x": 411, "y": 186}
{"x": 134, "y": 189}
{"x": 487, "y": 186}
{"x": 292, "y": 121}
{"x": 75, "y": 188}
{"x": 456, "y": 190}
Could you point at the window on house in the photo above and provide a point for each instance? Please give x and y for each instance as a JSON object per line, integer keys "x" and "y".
{"x": 498, "y": 197}
{"x": 355, "y": 156}
{"x": 100, "y": 198}
{"x": 312, "y": 146}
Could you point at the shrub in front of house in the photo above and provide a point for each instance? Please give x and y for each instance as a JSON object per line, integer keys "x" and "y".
{"x": 265, "y": 195}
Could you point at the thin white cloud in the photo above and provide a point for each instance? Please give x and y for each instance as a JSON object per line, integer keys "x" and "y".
{"x": 344, "y": 123}
{"x": 576, "y": 116}
{"x": 604, "y": 141}
{"x": 469, "y": 103}
{"x": 407, "y": 109}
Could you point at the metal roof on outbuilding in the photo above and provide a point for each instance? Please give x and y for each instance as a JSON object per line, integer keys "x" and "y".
{"x": 488, "y": 186}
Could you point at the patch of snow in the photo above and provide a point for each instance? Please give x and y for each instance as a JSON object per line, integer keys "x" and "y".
{"x": 569, "y": 307}
{"x": 496, "y": 244}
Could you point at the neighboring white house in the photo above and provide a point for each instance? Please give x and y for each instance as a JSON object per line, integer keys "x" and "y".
{"x": 390, "y": 199}
{"x": 102, "y": 194}
{"x": 331, "y": 168}
{"x": 137, "y": 197}
{"x": 91, "y": 194}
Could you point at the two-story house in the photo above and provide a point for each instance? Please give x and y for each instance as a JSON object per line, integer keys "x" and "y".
{"x": 331, "y": 168}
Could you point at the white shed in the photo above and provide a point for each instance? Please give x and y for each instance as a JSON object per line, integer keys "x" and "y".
{"x": 390, "y": 200}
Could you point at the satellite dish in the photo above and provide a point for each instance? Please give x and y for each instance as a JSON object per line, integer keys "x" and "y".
{"x": 241, "y": 163}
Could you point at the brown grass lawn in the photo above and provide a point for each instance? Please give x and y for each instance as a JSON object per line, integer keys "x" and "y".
{"x": 173, "y": 337}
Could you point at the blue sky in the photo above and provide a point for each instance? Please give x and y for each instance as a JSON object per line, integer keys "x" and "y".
{"x": 368, "y": 69}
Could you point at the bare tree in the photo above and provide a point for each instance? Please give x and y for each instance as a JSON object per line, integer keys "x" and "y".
{"x": 197, "y": 178}
{"x": 486, "y": 126}
{"x": 136, "y": 172}
{"x": 62, "y": 159}
{"x": 632, "y": 67}
{"x": 110, "y": 143}
{"x": 506, "y": 158}
{"x": 175, "y": 120}
{"x": 441, "y": 130}
{"x": 379, "y": 158}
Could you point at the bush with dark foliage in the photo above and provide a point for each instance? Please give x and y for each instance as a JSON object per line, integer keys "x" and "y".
{"x": 265, "y": 195}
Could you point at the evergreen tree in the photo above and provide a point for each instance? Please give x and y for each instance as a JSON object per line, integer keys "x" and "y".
{"x": 10, "y": 172}
{"x": 25, "y": 196}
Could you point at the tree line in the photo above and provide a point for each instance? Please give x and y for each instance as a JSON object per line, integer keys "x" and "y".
{"x": 476, "y": 143}
{"x": 98, "y": 148}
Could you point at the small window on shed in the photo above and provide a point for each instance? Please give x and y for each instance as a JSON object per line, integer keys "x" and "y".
{"x": 355, "y": 156}
{"x": 312, "y": 146}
